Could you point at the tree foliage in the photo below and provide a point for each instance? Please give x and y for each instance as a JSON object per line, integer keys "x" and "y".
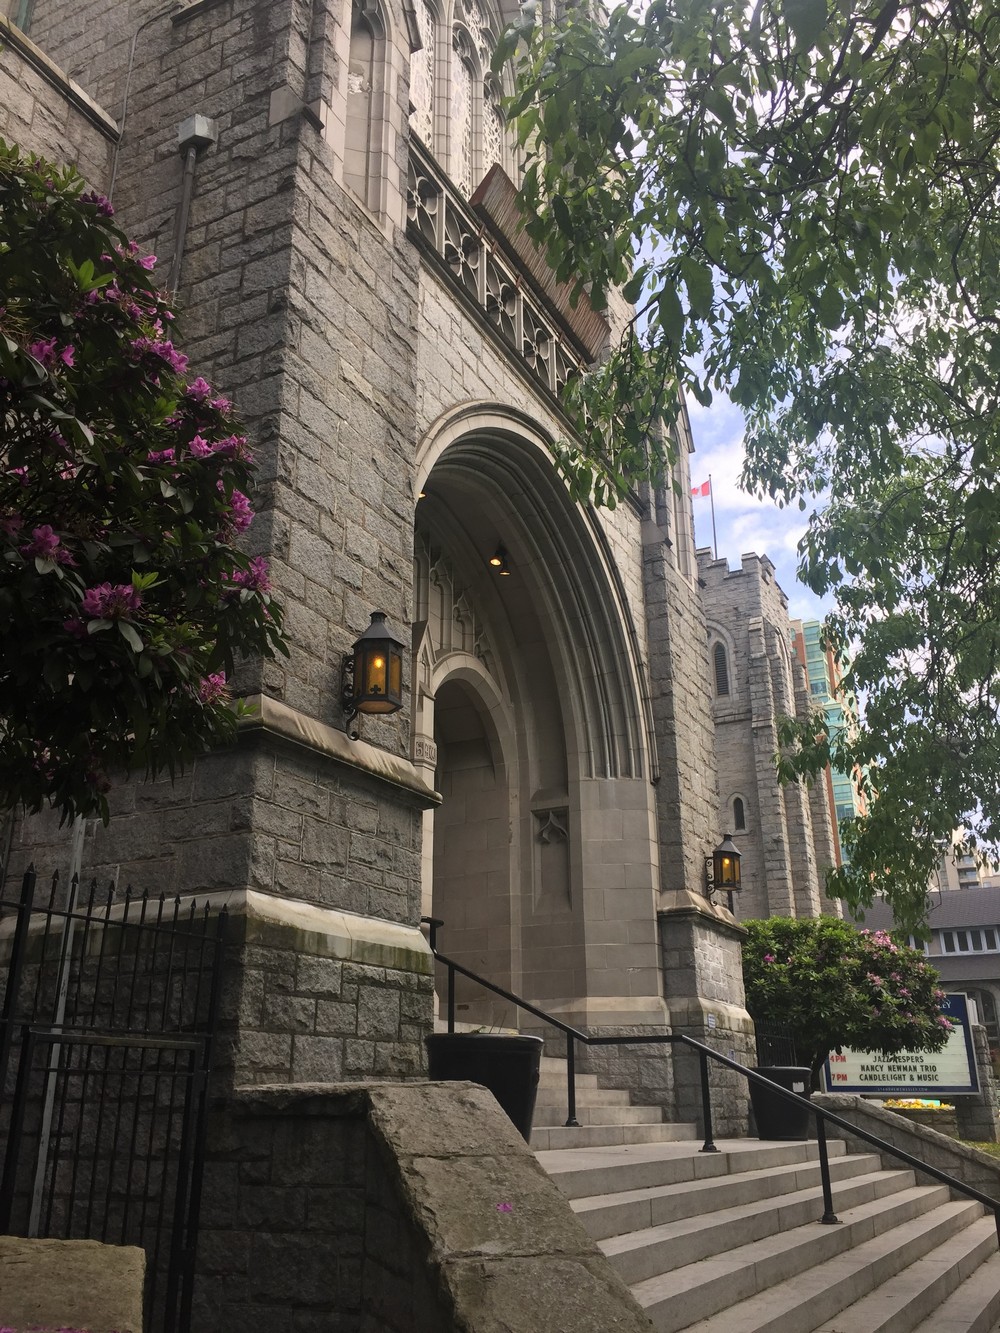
{"x": 831, "y": 986}
{"x": 124, "y": 486}
{"x": 802, "y": 199}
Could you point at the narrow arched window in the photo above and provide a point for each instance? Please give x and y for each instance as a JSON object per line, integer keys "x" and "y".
{"x": 739, "y": 814}
{"x": 464, "y": 112}
{"x": 720, "y": 663}
{"x": 365, "y": 125}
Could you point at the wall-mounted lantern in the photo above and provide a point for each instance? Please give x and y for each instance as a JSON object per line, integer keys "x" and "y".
{"x": 722, "y": 870}
{"x": 372, "y": 675}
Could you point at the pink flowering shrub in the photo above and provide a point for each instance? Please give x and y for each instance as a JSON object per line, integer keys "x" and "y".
{"x": 834, "y": 985}
{"x": 124, "y": 483}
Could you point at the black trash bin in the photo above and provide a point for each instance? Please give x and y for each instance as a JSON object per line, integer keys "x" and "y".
{"x": 505, "y": 1063}
{"x": 778, "y": 1117}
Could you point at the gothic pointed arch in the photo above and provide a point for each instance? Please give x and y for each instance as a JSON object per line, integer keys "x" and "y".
{"x": 523, "y": 633}
{"x": 560, "y": 553}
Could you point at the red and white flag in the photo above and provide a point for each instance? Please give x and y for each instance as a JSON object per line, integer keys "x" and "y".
{"x": 704, "y": 489}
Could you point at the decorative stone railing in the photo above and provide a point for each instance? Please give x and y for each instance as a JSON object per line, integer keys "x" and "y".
{"x": 474, "y": 259}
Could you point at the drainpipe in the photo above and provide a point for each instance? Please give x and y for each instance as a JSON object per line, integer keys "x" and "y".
{"x": 194, "y": 133}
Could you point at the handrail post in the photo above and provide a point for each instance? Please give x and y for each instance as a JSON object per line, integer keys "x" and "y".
{"x": 433, "y": 924}
{"x": 829, "y": 1217}
{"x": 451, "y": 997}
{"x": 571, "y": 1119}
{"x": 706, "y": 1105}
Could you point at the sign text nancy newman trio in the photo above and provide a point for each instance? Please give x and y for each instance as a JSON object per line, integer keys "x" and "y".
{"x": 952, "y": 1070}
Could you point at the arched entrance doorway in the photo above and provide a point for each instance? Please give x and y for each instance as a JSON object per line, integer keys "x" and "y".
{"x": 528, "y": 709}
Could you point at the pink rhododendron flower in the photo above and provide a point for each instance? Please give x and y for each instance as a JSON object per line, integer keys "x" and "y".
{"x": 11, "y": 525}
{"x": 102, "y": 204}
{"x": 44, "y": 542}
{"x": 198, "y": 389}
{"x": 255, "y": 579}
{"x": 164, "y": 349}
{"x": 161, "y": 456}
{"x": 240, "y": 513}
{"x": 233, "y": 446}
{"x": 769, "y": 958}
{"x": 148, "y": 262}
{"x": 212, "y": 688}
{"x": 110, "y": 602}
{"x": 200, "y": 448}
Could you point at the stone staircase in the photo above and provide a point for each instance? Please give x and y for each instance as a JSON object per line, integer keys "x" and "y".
{"x": 731, "y": 1242}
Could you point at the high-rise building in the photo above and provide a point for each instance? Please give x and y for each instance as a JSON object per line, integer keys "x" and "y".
{"x": 824, "y": 673}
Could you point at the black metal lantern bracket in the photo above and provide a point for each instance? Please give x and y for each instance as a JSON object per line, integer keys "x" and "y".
{"x": 371, "y": 673}
{"x": 722, "y": 870}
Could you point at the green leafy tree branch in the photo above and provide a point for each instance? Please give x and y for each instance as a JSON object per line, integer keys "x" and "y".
{"x": 801, "y": 199}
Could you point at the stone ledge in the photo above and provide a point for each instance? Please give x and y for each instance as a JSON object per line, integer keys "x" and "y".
{"x": 33, "y": 55}
{"x": 277, "y": 719}
{"x": 71, "y": 1284}
{"x": 192, "y": 8}
{"x": 969, "y": 1165}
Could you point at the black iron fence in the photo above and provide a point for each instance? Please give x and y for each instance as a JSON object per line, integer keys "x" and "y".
{"x": 775, "y": 1044}
{"x": 109, "y": 1007}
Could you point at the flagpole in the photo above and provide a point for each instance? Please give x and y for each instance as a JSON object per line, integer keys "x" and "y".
{"x": 711, "y": 496}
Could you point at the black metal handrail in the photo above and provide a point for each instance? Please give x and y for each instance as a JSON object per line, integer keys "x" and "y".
{"x": 705, "y": 1053}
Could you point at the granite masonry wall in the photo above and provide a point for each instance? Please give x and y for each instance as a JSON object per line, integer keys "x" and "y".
{"x": 415, "y": 1209}
{"x": 45, "y": 112}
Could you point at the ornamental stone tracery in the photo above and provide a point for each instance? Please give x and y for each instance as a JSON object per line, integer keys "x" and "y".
{"x": 474, "y": 135}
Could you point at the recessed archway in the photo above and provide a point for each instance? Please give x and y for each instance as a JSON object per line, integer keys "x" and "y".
{"x": 549, "y": 721}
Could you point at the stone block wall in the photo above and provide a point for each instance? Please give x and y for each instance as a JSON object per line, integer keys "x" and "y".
{"x": 405, "y": 1208}
{"x": 974, "y": 1168}
{"x": 319, "y": 995}
{"x": 45, "y": 112}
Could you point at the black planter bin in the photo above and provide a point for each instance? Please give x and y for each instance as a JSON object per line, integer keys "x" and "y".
{"x": 507, "y": 1065}
{"x": 777, "y": 1117}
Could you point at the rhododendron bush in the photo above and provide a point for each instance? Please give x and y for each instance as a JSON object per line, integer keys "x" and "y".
{"x": 125, "y": 485}
{"x": 832, "y": 985}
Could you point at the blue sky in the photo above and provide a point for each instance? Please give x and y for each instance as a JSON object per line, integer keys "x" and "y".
{"x": 743, "y": 523}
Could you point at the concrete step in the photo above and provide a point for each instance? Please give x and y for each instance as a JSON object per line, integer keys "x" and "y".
{"x": 550, "y": 1076}
{"x": 634, "y": 1210}
{"x": 975, "y": 1306}
{"x": 549, "y": 1095}
{"x": 599, "y": 1115}
{"x": 899, "y": 1305}
{"x": 562, "y": 1138}
{"x": 584, "y": 1171}
{"x": 659, "y": 1249}
{"x": 792, "y": 1282}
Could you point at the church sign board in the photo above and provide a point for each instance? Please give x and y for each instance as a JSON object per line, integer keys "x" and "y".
{"x": 950, "y": 1071}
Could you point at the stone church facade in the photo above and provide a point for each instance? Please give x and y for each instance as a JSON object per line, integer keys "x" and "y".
{"x": 330, "y": 190}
